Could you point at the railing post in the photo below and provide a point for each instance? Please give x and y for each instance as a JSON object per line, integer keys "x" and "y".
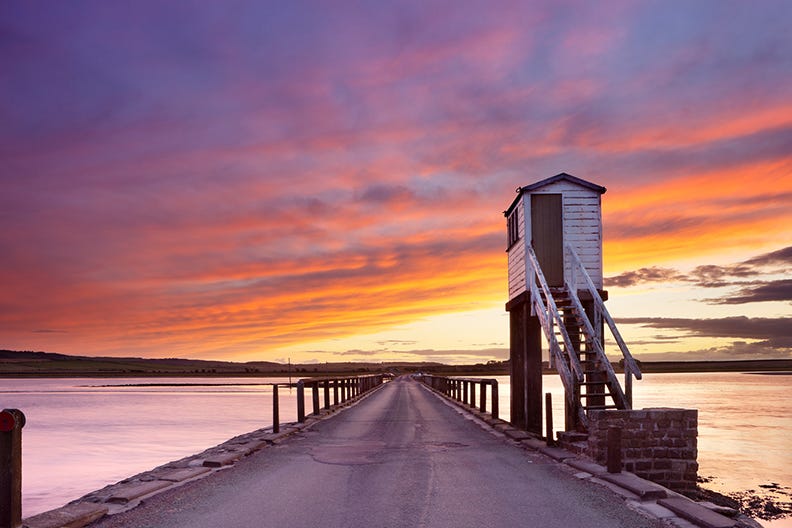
{"x": 11, "y": 423}
{"x": 326, "y": 384}
{"x": 275, "y": 409}
{"x": 628, "y": 385}
{"x": 335, "y": 392}
{"x": 483, "y": 397}
{"x": 472, "y": 402}
{"x": 549, "y": 418}
{"x": 300, "y": 401}
{"x": 315, "y": 396}
{"x": 464, "y": 391}
{"x": 494, "y": 398}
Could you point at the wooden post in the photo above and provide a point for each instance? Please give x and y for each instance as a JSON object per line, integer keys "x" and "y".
{"x": 315, "y": 396}
{"x": 483, "y": 397}
{"x": 517, "y": 339}
{"x": 614, "y": 450}
{"x": 533, "y": 373}
{"x": 549, "y": 418}
{"x": 494, "y": 398}
{"x": 597, "y": 390}
{"x": 326, "y": 384}
{"x": 335, "y": 392}
{"x": 464, "y": 391}
{"x": 628, "y": 385}
{"x": 275, "y": 409}
{"x": 472, "y": 401}
{"x": 11, "y": 423}
{"x": 300, "y": 401}
{"x": 572, "y": 400}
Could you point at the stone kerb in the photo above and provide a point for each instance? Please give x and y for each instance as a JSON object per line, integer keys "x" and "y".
{"x": 658, "y": 444}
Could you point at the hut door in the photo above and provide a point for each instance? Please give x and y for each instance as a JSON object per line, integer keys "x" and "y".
{"x": 548, "y": 236}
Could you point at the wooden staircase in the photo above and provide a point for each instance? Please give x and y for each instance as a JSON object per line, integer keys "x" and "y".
{"x": 575, "y": 338}
{"x": 595, "y": 391}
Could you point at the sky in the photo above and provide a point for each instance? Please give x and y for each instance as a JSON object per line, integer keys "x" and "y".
{"x": 326, "y": 181}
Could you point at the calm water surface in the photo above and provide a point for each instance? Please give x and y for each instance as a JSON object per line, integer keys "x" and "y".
{"x": 80, "y": 436}
{"x": 745, "y": 424}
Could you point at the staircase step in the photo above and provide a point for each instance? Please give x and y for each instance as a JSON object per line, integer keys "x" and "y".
{"x": 599, "y": 407}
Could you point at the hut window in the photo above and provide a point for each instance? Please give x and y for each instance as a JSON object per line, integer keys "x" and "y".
{"x": 513, "y": 227}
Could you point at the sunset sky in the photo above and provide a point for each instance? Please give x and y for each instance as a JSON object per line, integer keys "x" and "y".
{"x": 325, "y": 181}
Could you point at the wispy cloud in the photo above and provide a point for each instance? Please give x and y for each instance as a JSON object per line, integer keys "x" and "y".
{"x": 183, "y": 180}
{"x": 746, "y": 276}
{"x": 780, "y": 290}
{"x": 771, "y": 332}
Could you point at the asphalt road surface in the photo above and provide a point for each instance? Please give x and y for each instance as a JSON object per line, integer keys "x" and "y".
{"x": 400, "y": 458}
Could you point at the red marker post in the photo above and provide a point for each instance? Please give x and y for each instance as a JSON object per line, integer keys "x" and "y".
{"x": 11, "y": 423}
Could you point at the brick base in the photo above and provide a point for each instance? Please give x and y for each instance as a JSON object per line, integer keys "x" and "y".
{"x": 657, "y": 444}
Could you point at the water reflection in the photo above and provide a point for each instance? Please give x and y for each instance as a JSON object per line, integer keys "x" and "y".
{"x": 81, "y": 437}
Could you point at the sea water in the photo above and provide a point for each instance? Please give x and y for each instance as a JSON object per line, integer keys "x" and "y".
{"x": 83, "y": 434}
{"x": 744, "y": 425}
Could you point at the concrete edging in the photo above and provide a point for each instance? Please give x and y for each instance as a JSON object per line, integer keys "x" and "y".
{"x": 650, "y": 498}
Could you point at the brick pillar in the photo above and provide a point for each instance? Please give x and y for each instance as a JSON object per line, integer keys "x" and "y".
{"x": 659, "y": 444}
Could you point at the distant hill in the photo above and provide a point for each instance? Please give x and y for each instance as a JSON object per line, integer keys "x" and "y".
{"x": 46, "y": 364}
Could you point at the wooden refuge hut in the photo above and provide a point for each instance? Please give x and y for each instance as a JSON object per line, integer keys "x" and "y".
{"x": 554, "y": 246}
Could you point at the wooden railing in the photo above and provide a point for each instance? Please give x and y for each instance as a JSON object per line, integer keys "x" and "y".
{"x": 13, "y": 420}
{"x": 544, "y": 307}
{"x": 601, "y": 312}
{"x": 343, "y": 389}
{"x": 463, "y": 390}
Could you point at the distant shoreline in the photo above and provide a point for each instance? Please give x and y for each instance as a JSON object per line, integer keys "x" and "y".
{"x": 47, "y": 365}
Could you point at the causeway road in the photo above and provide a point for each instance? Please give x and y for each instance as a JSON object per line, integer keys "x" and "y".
{"x": 402, "y": 457}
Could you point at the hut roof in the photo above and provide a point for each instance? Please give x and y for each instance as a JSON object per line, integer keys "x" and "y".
{"x": 553, "y": 179}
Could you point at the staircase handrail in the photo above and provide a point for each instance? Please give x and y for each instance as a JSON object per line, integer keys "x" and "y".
{"x": 622, "y": 401}
{"x": 629, "y": 362}
{"x": 542, "y": 311}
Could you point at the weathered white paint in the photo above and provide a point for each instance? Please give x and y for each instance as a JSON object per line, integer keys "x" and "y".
{"x": 517, "y": 256}
{"x": 582, "y": 224}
